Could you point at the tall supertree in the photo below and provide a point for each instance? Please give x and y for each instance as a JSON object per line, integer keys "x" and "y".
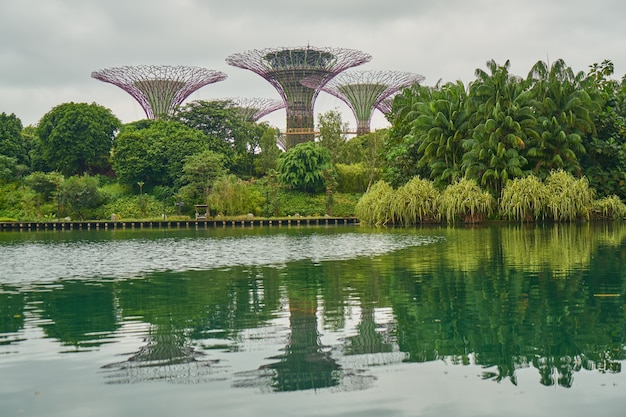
{"x": 253, "y": 108}
{"x": 285, "y": 68}
{"x": 363, "y": 91}
{"x": 159, "y": 89}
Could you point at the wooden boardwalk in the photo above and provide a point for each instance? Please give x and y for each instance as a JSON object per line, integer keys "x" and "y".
{"x": 176, "y": 224}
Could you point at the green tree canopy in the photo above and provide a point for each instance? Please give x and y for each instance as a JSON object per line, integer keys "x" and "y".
{"x": 76, "y": 138}
{"x": 304, "y": 167}
{"x": 228, "y": 132}
{"x": 154, "y": 152}
{"x": 11, "y": 140}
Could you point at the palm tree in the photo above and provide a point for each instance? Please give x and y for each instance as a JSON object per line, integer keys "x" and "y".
{"x": 563, "y": 105}
{"x": 503, "y": 122}
{"x": 440, "y": 129}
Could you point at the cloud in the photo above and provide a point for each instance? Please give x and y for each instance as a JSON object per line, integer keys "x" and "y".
{"x": 48, "y": 49}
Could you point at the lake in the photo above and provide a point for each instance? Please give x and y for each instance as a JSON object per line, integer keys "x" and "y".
{"x": 314, "y": 321}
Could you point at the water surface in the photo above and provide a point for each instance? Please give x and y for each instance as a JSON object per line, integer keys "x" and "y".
{"x": 314, "y": 321}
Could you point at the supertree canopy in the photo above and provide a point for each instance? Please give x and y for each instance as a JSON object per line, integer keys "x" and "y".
{"x": 285, "y": 68}
{"x": 364, "y": 91}
{"x": 253, "y": 108}
{"x": 159, "y": 89}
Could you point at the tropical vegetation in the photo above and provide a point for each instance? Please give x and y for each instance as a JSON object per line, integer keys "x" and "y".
{"x": 547, "y": 146}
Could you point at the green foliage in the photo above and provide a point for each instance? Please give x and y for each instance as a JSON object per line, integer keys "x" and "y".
{"x": 465, "y": 200}
{"x": 11, "y": 140}
{"x": 76, "y": 138}
{"x": 331, "y": 135}
{"x": 610, "y": 208}
{"x": 524, "y": 199}
{"x": 8, "y": 169}
{"x": 302, "y": 167}
{"x": 569, "y": 198}
{"x": 353, "y": 178}
{"x": 199, "y": 173}
{"x": 374, "y": 207}
{"x": 155, "y": 152}
{"x": 129, "y": 207}
{"x": 227, "y": 130}
{"x": 81, "y": 197}
{"x": 417, "y": 201}
{"x": 232, "y": 196}
{"x": 265, "y": 162}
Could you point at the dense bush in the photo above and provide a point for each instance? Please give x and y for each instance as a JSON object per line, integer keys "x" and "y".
{"x": 375, "y": 206}
{"x": 417, "y": 201}
{"x": 524, "y": 199}
{"x": 466, "y": 201}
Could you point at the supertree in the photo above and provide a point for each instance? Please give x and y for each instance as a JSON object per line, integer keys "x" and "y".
{"x": 386, "y": 105}
{"x": 285, "y": 68}
{"x": 253, "y": 108}
{"x": 363, "y": 91}
{"x": 159, "y": 89}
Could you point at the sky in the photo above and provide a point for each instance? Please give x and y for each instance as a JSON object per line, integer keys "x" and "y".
{"x": 48, "y": 48}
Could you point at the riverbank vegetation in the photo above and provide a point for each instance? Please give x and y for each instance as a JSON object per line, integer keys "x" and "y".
{"x": 548, "y": 146}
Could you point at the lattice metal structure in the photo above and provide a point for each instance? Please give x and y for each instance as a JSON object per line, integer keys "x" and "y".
{"x": 285, "y": 68}
{"x": 253, "y": 108}
{"x": 386, "y": 105}
{"x": 159, "y": 89}
{"x": 363, "y": 91}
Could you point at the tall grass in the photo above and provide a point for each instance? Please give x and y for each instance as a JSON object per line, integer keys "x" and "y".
{"x": 609, "y": 208}
{"x": 569, "y": 199}
{"x": 524, "y": 199}
{"x": 374, "y": 207}
{"x": 466, "y": 201}
{"x": 417, "y": 201}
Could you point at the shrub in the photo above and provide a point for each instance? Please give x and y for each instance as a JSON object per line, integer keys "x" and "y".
{"x": 417, "y": 201}
{"x": 302, "y": 167}
{"x": 524, "y": 199}
{"x": 569, "y": 198}
{"x": 232, "y": 196}
{"x": 374, "y": 207}
{"x": 352, "y": 178}
{"x": 611, "y": 207}
{"x": 467, "y": 201}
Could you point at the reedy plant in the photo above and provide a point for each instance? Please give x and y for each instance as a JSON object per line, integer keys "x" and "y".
{"x": 569, "y": 198}
{"x": 374, "y": 206}
{"x": 610, "y": 208}
{"x": 417, "y": 201}
{"x": 524, "y": 199}
{"x": 466, "y": 200}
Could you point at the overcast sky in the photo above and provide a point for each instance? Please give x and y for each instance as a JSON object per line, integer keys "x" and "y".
{"x": 48, "y": 48}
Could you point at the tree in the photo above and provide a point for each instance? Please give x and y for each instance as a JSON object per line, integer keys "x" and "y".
{"x": 228, "y": 131}
{"x": 199, "y": 173}
{"x": 503, "y": 121}
{"x": 155, "y": 152}
{"x": 440, "y": 129}
{"x": 266, "y": 159}
{"x": 76, "y": 138}
{"x": 564, "y": 106}
{"x": 401, "y": 149}
{"x": 80, "y": 196}
{"x": 303, "y": 167}
{"x": 11, "y": 140}
{"x": 604, "y": 164}
{"x": 331, "y": 135}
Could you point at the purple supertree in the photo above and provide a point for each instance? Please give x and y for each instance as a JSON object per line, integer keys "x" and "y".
{"x": 159, "y": 89}
{"x": 253, "y": 108}
{"x": 285, "y": 68}
{"x": 386, "y": 104}
{"x": 363, "y": 91}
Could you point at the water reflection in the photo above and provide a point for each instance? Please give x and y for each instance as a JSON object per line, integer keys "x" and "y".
{"x": 506, "y": 298}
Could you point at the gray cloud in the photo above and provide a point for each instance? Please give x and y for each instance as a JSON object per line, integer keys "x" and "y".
{"x": 49, "y": 48}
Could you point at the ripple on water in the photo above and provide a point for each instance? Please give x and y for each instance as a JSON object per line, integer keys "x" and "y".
{"x": 53, "y": 260}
